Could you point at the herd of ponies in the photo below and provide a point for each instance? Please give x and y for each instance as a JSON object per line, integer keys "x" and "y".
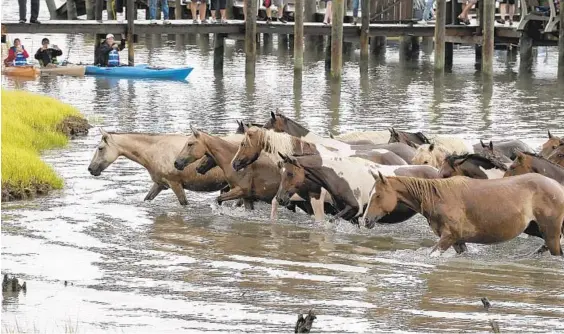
{"x": 485, "y": 193}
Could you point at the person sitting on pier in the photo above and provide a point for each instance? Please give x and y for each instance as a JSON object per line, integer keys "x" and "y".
{"x": 47, "y": 55}
{"x": 17, "y": 55}
{"x": 463, "y": 17}
{"x": 280, "y": 5}
{"x": 107, "y": 53}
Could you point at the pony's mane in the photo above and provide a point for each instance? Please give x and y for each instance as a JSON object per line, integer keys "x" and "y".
{"x": 535, "y": 155}
{"x": 273, "y": 142}
{"x": 426, "y": 190}
{"x": 492, "y": 159}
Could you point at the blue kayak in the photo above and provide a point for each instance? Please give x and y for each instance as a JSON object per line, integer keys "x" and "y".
{"x": 140, "y": 71}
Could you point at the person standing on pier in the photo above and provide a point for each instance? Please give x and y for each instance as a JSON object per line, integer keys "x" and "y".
{"x": 427, "y": 12}
{"x": 34, "y": 11}
{"x": 153, "y": 11}
{"x": 194, "y": 9}
{"x": 506, "y": 7}
{"x": 328, "y": 5}
{"x": 47, "y": 55}
{"x": 107, "y": 54}
{"x": 280, "y": 5}
{"x": 17, "y": 55}
{"x": 214, "y": 6}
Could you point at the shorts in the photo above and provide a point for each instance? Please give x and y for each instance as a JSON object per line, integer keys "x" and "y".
{"x": 218, "y": 4}
{"x": 510, "y": 2}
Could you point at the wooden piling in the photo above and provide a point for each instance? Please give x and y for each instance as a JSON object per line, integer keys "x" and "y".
{"x": 561, "y": 44}
{"x": 337, "y": 38}
{"x": 218, "y": 51}
{"x": 99, "y": 9}
{"x": 97, "y": 42}
{"x": 250, "y": 37}
{"x": 52, "y": 7}
{"x": 525, "y": 52}
{"x": 177, "y": 10}
{"x": 488, "y": 36}
{"x": 131, "y": 12}
{"x": 364, "y": 26}
{"x": 89, "y": 4}
{"x": 310, "y": 8}
{"x": 449, "y": 47}
{"x": 299, "y": 35}
{"x": 71, "y": 10}
{"x": 440, "y": 20}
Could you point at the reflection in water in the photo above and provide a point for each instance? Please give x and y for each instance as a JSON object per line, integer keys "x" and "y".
{"x": 155, "y": 266}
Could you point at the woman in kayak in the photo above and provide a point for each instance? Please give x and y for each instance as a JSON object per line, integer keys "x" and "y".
{"x": 47, "y": 55}
{"x": 17, "y": 56}
{"x": 107, "y": 53}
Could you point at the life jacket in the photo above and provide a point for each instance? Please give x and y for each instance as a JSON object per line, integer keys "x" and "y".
{"x": 20, "y": 59}
{"x": 113, "y": 58}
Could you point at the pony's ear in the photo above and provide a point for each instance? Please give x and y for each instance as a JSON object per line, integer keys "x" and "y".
{"x": 392, "y": 131}
{"x": 374, "y": 175}
{"x": 195, "y": 132}
{"x": 431, "y": 147}
{"x": 519, "y": 156}
{"x": 245, "y": 127}
{"x": 331, "y": 135}
{"x": 549, "y": 135}
{"x": 105, "y": 135}
{"x": 382, "y": 177}
{"x": 283, "y": 156}
{"x": 491, "y": 145}
{"x": 273, "y": 115}
{"x": 482, "y": 143}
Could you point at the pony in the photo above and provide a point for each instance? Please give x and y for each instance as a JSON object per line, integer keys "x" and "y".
{"x": 557, "y": 156}
{"x": 363, "y": 137}
{"x": 430, "y": 154}
{"x": 156, "y": 153}
{"x": 476, "y": 166}
{"x": 461, "y": 209}
{"x": 533, "y": 163}
{"x": 507, "y": 148}
{"x": 551, "y": 144}
{"x": 416, "y": 139}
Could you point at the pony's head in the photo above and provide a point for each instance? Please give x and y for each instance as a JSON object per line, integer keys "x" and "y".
{"x": 383, "y": 199}
{"x": 557, "y": 156}
{"x": 249, "y": 148}
{"x": 550, "y": 145}
{"x": 205, "y": 165}
{"x": 451, "y": 166}
{"x": 522, "y": 164}
{"x": 292, "y": 178}
{"x": 411, "y": 139}
{"x": 429, "y": 154}
{"x": 193, "y": 150}
{"x": 277, "y": 122}
{"x": 106, "y": 153}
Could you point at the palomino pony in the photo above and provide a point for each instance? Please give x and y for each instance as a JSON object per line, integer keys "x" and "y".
{"x": 430, "y": 154}
{"x": 508, "y": 148}
{"x": 347, "y": 179}
{"x": 156, "y": 152}
{"x": 416, "y": 139}
{"x": 461, "y": 209}
{"x": 551, "y": 144}
{"x": 476, "y": 166}
{"x": 533, "y": 163}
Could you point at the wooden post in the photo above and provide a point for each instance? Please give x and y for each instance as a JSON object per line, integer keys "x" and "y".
{"x": 364, "y": 26}
{"x": 99, "y": 38}
{"x": 218, "y": 51}
{"x": 251, "y": 37}
{"x": 71, "y": 10}
{"x": 488, "y": 36}
{"x": 131, "y": 12}
{"x": 328, "y": 54}
{"x": 309, "y": 10}
{"x": 229, "y": 9}
{"x": 525, "y": 51}
{"x": 177, "y": 10}
{"x": 89, "y": 9}
{"x": 337, "y": 38}
{"x": 299, "y": 35}
{"x": 561, "y": 44}
{"x": 99, "y": 9}
{"x": 53, "y": 9}
{"x": 440, "y": 20}
{"x": 449, "y": 47}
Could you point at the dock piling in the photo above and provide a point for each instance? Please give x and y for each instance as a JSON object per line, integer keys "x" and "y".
{"x": 131, "y": 12}
{"x": 450, "y": 16}
{"x": 364, "y": 26}
{"x": 218, "y": 51}
{"x": 337, "y": 39}
{"x": 488, "y": 36}
{"x": 52, "y": 7}
{"x": 299, "y": 35}
{"x": 177, "y": 10}
{"x": 440, "y": 20}
{"x": 251, "y": 37}
{"x": 525, "y": 52}
{"x": 561, "y": 44}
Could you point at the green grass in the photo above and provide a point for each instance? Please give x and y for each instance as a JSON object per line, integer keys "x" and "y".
{"x": 29, "y": 124}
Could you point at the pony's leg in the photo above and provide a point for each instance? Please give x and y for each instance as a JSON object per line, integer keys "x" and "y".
{"x": 273, "y": 210}
{"x": 179, "y": 192}
{"x": 318, "y": 206}
{"x": 460, "y": 248}
{"x": 249, "y": 205}
{"x": 552, "y": 242}
{"x": 154, "y": 191}
{"x": 345, "y": 212}
{"x": 234, "y": 193}
{"x": 445, "y": 242}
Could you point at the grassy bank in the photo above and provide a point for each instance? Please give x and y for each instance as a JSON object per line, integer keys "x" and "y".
{"x": 32, "y": 123}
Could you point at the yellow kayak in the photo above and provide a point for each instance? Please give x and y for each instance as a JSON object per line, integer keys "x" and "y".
{"x": 74, "y": 70}
{"x": 21, "y": 71}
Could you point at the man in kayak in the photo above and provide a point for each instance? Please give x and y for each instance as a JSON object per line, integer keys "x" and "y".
{"x": 17, "y": 56}
{"x": 47, "y": 54}
{"x": 107, "y": 53}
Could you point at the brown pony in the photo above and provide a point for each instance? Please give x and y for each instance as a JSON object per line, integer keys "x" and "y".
{"x": 413, "y": 139}
{"x": 461, "y": 210}
{"x": 508, "y": 148}
{"x": 557, "y": 156}
{"x": 551, "y": 144}
{"x": 476, "y": 166}
{"x": 533, "y": 163}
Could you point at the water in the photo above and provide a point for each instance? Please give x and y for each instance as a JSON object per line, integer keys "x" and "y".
{"x": 157, "y": 267}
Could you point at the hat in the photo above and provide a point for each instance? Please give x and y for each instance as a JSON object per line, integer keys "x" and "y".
{"x": 109, "y": 36}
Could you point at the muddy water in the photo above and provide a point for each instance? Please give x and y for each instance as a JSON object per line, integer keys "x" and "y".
{"x": 135, "y": 266}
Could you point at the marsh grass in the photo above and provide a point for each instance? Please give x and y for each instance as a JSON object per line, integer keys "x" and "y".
{"x": 29, "y": 125}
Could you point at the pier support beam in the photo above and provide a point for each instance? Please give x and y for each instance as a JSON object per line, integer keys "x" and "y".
{"x": 525, "y": 52}
{"x": 561, "y": 44}
{"x": 378, "y": 45}
{"x": 440, "y": 15}
{"x": 71, "y": 10}
{"x": 89, "y": 4}
{"x": 365, "y": 23}
{"x": 310, "y": 8}
{"x": 131, "y": 12}
{"x": 177, "y": 10}
{"x": 218, "y": 51}
{"x": 488, "y": 36}
{"x": 299, "y": 35}
{"x": 337, "y": 38}
{"x": 99, "y": 9}
{"x": 52, "y": 7}
{"x": 251, "y": 37}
